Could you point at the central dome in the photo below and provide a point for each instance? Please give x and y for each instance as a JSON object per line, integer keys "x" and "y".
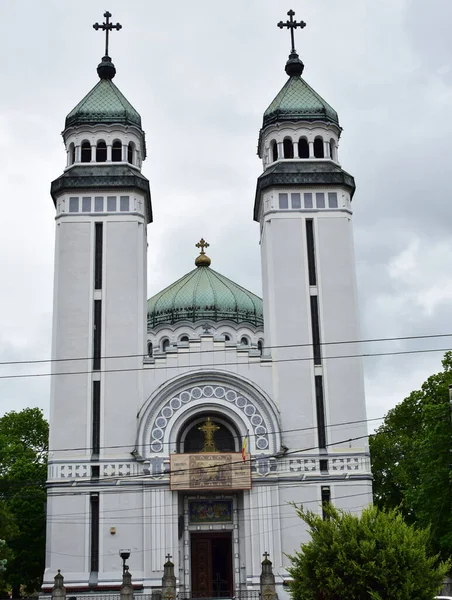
{"x": 204, "y": 294}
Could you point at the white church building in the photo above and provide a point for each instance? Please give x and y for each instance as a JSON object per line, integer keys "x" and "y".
{"x": 186, "y": 424}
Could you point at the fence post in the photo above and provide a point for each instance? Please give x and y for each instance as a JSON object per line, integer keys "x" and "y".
{"x": 168, "y": 580}
{"x": 58, "y": 590}
{"x": 268, "y": 590}
{"x": 126, "y": 589}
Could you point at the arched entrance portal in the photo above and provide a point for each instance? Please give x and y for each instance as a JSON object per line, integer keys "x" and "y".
{"x": 209, "y": 517}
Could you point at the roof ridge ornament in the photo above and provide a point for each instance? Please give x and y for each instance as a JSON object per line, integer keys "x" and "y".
{"x": 202, "y": 260}
{"x": 294, "y": 66}
{"x": 106, "y": 69}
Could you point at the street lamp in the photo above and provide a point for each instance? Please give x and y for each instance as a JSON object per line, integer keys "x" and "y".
{"x": 124, "y": 554}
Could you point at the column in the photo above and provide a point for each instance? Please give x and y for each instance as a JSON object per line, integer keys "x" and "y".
{"x": 326, "y": 151}
{"x": 311, "y": 149}
{"x": 93, "y": 153}
{"x": 108, "y": 152}
{"x": 295, "y": 150}
{"x": 280, "y": 150}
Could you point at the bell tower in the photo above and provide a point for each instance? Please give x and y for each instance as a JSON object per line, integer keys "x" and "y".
{"x": 303, "y": 204}
{"x": 103, "y": 207}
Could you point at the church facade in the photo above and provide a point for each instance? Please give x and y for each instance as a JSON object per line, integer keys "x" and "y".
{"x": 188, "y": 423}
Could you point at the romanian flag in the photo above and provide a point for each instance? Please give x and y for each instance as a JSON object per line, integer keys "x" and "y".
{"x": 244, "y": 447}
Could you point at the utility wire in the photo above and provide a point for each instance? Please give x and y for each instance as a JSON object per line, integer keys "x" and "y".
{"x": 249, "y": 435}
{"x": 244, "y": 537}
{"x": 128, "y": 478}
{"x": 230, "y": 364}
{"x": 233, "y": 348}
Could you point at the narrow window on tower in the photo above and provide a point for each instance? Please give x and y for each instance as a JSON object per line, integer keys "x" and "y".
{"x": 288, "y": 148}
{"x": 86, "y": 152}
{"x": 98, "y": 204}
{"x": 284, "y": 201}
{"x": 296, "y": 200}
{"x": 303, "y": 148}
{"x": 94, "y": 501}
{"x": 315, "y": 331}
{"x": 326, "y": 499}
{"x": 98, "y": 235}
{"x": 86, "y": 204}
{"x": 97, "y": 334}
{"x": 116, "y": 151}
{"x": 311, "y": 251}
{"x": 332, "y": 200}
{"x": 73, "y": 205}
{"x": 320, "y": 406}
{"x": 320, "y": 200}
{"x": 124, "y": 203}
{"x": 96, "y": 418}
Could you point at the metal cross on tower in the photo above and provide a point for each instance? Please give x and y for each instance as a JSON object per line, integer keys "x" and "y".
{"x": 291, "y": 24}
{"x": 107, "y": 27}
{"x": 168, "y": 557}
{"x": 202, "y": 244}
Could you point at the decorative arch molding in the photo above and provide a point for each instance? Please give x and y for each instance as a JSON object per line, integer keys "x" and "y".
{"x": 165, "y": 413}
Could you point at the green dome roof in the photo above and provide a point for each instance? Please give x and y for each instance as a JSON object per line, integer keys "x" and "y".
{"x": 297, "y": 101}
{"x": 204, "y": 294}
{"x": 103, "y": 104}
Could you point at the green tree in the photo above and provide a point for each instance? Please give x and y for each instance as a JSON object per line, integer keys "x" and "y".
{"x": 23, "y": 473}
{"x": 411, "y": 459}
{"x": 372, "y": 556}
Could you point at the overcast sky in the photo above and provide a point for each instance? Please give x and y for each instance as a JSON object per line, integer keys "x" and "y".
{"x": 201, "y": 74}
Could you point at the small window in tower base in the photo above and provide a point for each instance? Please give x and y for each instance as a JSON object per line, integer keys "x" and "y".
{"x": 320, "y": 200}
{"x": 86, "y": 204}
{"x": 124, "y": 203}
{"x": 296, "y": 200}
{"x": 111, "y": 203}
{"x": 283, "y": 201}
{"x": 73, "y": 205}
{"x": 332, "y": 200}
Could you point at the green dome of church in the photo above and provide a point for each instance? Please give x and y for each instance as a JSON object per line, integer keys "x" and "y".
{"x": 104, "y": 103}
{"x": 204, "y": 294}
{"x": 297, "y": 101}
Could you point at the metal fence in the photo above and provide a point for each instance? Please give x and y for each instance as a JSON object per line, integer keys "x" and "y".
{"x": 236, "y": 595}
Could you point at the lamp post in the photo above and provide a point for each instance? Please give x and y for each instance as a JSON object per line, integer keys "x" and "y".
{"x": 124, "y": 554}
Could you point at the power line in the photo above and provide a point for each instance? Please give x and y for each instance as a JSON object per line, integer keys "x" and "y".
{"x": 233, "y": 348}
{"x": 244, "y": 537}
{"x": 229, "y": 364}
{"x": 128, "y": 478}
{"x": 250, "y": 435}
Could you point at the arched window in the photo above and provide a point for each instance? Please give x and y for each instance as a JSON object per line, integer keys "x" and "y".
{"x": 71, "y": 154}
{"x": 130, "y": 152}
{"x": 227, "y": 337}
{"x": 223, "y": 438}
{"x": 184, "y": 338}
{"x": 303, "y": 148}
{"x": 101, "y": 151}
{"x": 150, "y": 348}
{"x": 333, "y": 149}
{"x": 86, "y": 152}
{"x": 116, "y": 151}
{"x": 260, "y": 346}
{"x": 288, "y": 148}
{"x": 165, "y": 344}
{"x": 244, "y": 341}
{"x": 319, "y": 150}
{"x": 274, "y": 150}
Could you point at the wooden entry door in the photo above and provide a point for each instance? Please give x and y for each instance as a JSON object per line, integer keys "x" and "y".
{"x": 211, "y": 565}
